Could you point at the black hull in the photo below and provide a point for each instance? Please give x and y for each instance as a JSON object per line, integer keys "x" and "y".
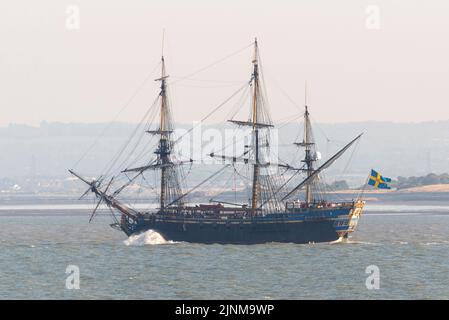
{"x": 251, "y": 233}
{"x": 309, "y": 225}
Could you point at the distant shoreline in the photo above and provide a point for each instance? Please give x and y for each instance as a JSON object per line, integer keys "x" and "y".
{"x": 431, "y": 194}
{"x": 371, "y": 209}
{"x": 434, "y": 188}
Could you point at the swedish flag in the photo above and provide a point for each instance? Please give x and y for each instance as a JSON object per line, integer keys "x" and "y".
{"x": 378, "y": 181}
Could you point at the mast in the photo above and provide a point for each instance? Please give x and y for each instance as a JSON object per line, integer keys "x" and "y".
{"x": 310, "y": 156}
{"x": 256, "y": 168}
{"x": 308, "y": 160}
{"x": 163, "y": 150}
{"x": 326, "y": 165}
{"x": 169, "y": 180}
{"x": 259, "y": 119}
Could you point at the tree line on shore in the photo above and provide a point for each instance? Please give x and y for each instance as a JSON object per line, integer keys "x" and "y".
{"x": 401, "y": 182}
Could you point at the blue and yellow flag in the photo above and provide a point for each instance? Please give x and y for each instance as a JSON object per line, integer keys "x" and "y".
{"x": 378, "y": 181}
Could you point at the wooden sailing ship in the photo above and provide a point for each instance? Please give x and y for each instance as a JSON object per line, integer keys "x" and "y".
{"x": 273, "y": 213}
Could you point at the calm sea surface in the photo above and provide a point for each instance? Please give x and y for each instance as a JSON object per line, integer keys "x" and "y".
{"x": 409, "y": 245}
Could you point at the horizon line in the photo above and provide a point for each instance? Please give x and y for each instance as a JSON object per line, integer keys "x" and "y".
{"x": 45, "y": 122}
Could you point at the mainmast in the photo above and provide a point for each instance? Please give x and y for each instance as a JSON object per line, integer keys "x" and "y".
{"x": 259, "y": 119}
{"x": 256, "y": 167}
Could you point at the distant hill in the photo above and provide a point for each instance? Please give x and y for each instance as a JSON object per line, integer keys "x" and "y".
{"x": 427, "y": 180}
{"x": 395, "y": 149}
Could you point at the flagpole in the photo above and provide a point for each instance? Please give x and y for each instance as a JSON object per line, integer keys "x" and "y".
{"x": 360, "y": 195}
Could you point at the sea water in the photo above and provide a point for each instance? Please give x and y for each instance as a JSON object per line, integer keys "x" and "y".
{"x": 409, "y": 246}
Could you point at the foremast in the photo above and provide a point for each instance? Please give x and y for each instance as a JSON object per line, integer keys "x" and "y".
{"x": 163, "y": 151}
{"x": 170, "y": 189}
{"x": 169, "y": 183}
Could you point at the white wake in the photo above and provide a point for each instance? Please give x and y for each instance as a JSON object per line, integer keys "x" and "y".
{"x": 342, "y": 240}
{"x": 149, "y": 237}
{"x": 339, "y": 240}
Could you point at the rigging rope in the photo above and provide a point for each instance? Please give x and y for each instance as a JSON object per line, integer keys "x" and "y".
{"x": 210, "y": 113}
{"x": 212, "y": 64}
{"x": 128, "y": 102}
{"x": 125, "y": 145}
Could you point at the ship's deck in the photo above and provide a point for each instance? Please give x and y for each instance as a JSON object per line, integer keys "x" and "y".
{"x": 229, "y": 213}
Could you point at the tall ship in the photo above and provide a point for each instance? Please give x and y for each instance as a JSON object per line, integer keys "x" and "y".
{"x": 275, "y": 211}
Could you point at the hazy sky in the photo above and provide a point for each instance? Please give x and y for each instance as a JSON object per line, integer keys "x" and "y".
{"x": 358, "y": 67}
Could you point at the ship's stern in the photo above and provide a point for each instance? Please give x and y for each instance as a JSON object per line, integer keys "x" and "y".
{"x": 352, "y": 220}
